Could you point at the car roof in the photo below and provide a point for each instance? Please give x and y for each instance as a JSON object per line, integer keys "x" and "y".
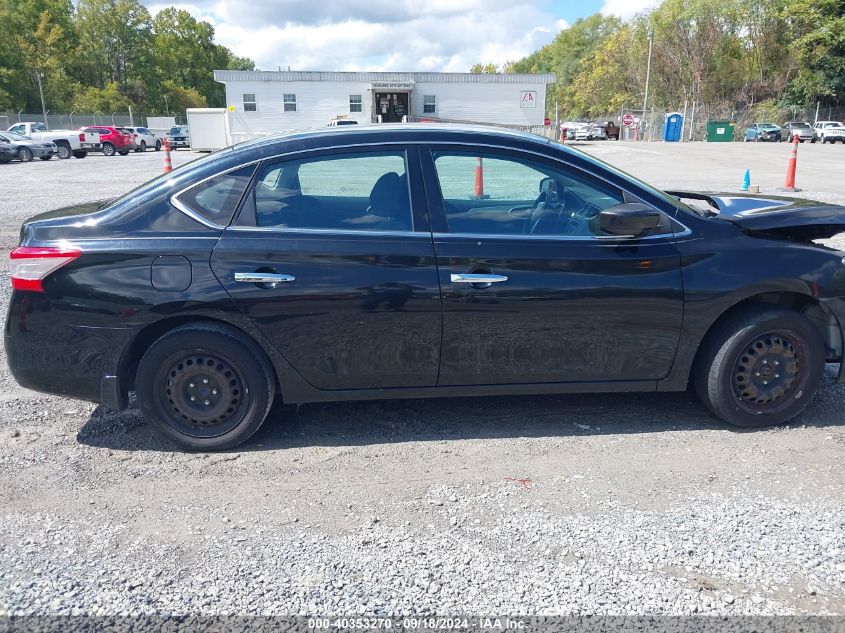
{"x": 409, "y": 132}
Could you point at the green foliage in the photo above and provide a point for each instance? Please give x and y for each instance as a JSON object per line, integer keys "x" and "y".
{"x": 105, "y": 55}
{"x": 488, "y": 69}
{"x": 729, "y": 54}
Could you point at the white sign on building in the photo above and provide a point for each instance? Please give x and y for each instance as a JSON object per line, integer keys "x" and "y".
{"x": 268, "y": 102}
{"x": 528, "y": 99}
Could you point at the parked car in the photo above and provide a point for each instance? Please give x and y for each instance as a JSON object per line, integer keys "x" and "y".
{"x": 830, "y": 131}
{"x": 337, "y": 121}
{"x": 568, "y": 129}
{"x": 106, "y": 139}
{"x": 6, "y": 153}
{"x": 611, "y": 130}
{"x": 359, "y": 264}
{"x": 179, "y": 136}
{"x": 67, "y": 142}
{"x": 25, "y": 149}
{"x": 804, "y": 131}
{"x": 590, "y": 133}
{"x": 143, "y": 138}
{"x": 763, "y": 132}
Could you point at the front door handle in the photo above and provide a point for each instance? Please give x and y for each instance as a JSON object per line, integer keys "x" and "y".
{"x": 476, "y": 278}
{"x": 263, "y": 278}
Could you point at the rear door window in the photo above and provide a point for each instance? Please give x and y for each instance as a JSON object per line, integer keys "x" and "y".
{"x": 365, "y": 191}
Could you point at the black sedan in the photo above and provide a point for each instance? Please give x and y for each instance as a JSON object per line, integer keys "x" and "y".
{"x": 420, "y": 261}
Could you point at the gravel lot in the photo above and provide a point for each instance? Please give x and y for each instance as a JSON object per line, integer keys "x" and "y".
{"x": 600, "y": 504}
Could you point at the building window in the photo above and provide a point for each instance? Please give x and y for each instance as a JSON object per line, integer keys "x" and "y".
{"x": 355, "y": 103}
{"x": 290, "y": 103}
{"x": 249, "y": 103}
{"x": 429, "y": 104}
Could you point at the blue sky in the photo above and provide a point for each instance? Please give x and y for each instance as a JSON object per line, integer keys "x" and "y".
{"x": 410, "y": 35}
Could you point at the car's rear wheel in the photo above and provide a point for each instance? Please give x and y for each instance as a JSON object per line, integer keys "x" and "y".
{"x": 158, "y": 145}
{"x": 24, "y": 155}
{"x": 124, "y": 152}
{"x": 760, "y": 368}
{"x": 80, "y": 154}
{"x": 108, "y": 149}
{"x": 64, "y": 150}
{"x": 205, "y": 386}
{"x": 47, "y": 157}
{"x": 143, "y": 146}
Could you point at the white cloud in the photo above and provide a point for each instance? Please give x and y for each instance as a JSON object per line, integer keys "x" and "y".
{"x": 437, "y": 35}
{"x": 627, "y": 8}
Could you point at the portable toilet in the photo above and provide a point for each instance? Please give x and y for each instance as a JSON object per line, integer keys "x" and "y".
{"x": 672, "y": 127}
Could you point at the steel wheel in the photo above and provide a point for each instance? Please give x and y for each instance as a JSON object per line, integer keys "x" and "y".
{"x": 206, "y": 394}
{"x": 767, "y": 373}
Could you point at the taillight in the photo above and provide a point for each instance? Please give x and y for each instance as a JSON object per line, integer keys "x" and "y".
{"x": 82, "y": 137}
{"x": 30, "y": 265}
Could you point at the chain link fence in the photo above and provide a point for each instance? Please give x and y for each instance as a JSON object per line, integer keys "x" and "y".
{"x": 74, "y": 120}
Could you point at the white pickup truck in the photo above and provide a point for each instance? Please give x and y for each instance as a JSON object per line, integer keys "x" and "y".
{"x": 68, "y": 141}
{"x": 830, "y": 131}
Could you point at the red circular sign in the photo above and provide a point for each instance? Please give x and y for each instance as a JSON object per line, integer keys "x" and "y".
{"x": 547, "y": 121}
{"x": 628, "y": 119}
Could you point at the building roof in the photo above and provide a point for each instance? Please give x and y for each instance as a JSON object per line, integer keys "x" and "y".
{"x": 404, "y": 77}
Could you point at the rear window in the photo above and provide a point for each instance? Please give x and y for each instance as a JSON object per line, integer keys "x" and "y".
{"x": 217, "y": 198}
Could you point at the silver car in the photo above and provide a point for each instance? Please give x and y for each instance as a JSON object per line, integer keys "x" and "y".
{"x": 25, "y": 149}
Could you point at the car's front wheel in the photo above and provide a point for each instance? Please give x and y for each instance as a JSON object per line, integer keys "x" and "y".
{"x": 24, "y": 155}
{"x": 108, "y": 149}
{"x": 158, "y": 145}
{"x": 205, "y": 386}
{"x": 760, "y": 368}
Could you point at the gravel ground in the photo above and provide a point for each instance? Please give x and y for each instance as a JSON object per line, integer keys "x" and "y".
{"x": 599, "y": 504}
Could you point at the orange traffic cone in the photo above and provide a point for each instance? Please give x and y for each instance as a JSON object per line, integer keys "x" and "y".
{"x": 168, "y": 164}
{"x": 789, "y": 185}
{"x": 479, "y": 179}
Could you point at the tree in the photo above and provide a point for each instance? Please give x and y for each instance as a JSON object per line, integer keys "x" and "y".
{"x": 101, "y": 100}
{"x": 487, "y": 69}
{"x": 818, "y": 49}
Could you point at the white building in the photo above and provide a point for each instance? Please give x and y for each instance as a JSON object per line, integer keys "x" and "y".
{"x": 266, "y": 102}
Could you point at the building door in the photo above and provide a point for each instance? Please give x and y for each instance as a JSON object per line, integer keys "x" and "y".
{"x": 392, "y": 106}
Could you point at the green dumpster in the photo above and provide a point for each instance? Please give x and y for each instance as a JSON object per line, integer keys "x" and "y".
{"x": 720, "y": 131}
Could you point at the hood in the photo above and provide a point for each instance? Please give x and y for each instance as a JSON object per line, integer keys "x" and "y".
{"x": 781, "y": 216}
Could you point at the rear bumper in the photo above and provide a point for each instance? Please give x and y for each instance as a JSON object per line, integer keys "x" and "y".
{"x": 47, "y": 354}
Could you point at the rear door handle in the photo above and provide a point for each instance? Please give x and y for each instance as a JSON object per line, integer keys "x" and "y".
{"x": 263, "y": 278}
{"x": 476, "y": 278}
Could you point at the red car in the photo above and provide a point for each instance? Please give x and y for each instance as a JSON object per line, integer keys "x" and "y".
{"x": 106, "y": 139}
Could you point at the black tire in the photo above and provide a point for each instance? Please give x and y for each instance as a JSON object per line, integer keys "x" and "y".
{"x": 79, "y": 154}
{"x": 812, "y": 140}
{"x": 158, "y": 145}
{"x": 143, "y": 147}
{"x": 760, "y": 367}
{"x": 239, "y": 376}
{"x": 47, "y": 157}
{"x": 24, "y": 155}
{"x": 124, "y": 152}
{"x": 108, "y": 149}
{"x": 64, "y": 150}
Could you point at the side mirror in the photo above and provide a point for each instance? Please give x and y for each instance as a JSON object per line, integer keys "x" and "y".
{"x": 547, "y": 184}
{"x": 630, "y": 219}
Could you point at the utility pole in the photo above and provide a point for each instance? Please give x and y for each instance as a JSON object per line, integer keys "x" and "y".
{"x": 41, "y": 92}
{"x": 648, "y": 71}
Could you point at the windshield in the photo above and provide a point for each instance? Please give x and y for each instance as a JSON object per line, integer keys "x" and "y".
{"x": 767, "y": 126}
{"x": 177, "y": 130}
{"x": 835, "y": 124}
{"x": 13, "y": 136}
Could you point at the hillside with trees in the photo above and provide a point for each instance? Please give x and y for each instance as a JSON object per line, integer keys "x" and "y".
{"x": 764, "y": 56}
{"x": 105, "y": 55}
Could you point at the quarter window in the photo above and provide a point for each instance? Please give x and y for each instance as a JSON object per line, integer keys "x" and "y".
{"x": 355, "y": 103}
{"x": 498, "y": 195}
{"x": 216, "y": 199}
{"x": 249, "y": 102}
{"x": 290, "y": 102}
{"x": 429, "y": 104}
{"x": 361, "y": 192}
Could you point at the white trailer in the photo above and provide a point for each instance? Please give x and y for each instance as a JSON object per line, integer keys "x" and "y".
{"x": 209, "y": 129}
